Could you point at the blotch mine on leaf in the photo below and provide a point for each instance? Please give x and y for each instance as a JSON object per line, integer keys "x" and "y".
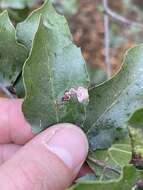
{"x": 80, "y": 93}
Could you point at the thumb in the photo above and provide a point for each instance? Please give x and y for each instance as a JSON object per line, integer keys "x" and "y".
{"x": 50, "y": 161}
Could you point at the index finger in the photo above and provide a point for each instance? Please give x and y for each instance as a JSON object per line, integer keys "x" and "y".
{"x": 13, "y": 126}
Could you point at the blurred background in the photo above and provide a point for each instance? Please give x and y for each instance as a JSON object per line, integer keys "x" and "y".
{"x": 103, "y": 29}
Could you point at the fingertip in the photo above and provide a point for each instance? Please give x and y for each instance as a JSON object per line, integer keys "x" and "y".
{"x": 69, "y": 143}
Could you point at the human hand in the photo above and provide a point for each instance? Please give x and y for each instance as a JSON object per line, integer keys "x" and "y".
{"x": 48, "y": 161}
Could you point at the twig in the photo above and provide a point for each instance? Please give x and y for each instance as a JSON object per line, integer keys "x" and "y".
{"x": 118, "y": 17}
{"x": 107, "y": 41}
{"x": 102, "y": 164}
{"x": 108, "y": 12}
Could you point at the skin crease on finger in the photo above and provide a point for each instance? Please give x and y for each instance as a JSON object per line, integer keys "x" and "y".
{"x": 7, "y": 151}
{"x": 33, "y": 163}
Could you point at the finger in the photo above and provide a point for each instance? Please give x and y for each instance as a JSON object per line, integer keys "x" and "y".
{"x": 50, "y": 161}
{"x": 7, "y": 151}
{"x": 13, "y": 126}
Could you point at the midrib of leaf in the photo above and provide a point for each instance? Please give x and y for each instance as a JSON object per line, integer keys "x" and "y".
{"x": 53, "y": 92}
{"x": 119, "y": 150}
{"x": 109, "y": 108}
{"x": 85, "y": 116}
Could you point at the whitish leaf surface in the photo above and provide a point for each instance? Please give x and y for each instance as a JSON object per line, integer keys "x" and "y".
{"x": 55, "y": 78}
{"x": 112, "y": 103}
{"x": 12, "y": 54}
{"x": 127, "y": 181}
{"x": 27, "y": 29}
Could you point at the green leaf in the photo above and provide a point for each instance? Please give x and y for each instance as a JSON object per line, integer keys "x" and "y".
{"x": 12, "y": 54}
{"x": 112, "y": 103}
{"x": 127, "y": 181}
{"x": 87, "y": 177}
{"x": 108, "y": 164}
{"x": 49, "y": 75}
{"x": 136, "y": 119}
{"x": 27, "y": 29}
{"x": 121, "y": 153}
{"x": 136, "y": 134}
{"x": 17, "y": 4}
{"x": 104, "y": 167}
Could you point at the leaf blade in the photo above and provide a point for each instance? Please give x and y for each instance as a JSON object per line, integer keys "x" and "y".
{"x": 27, "y": 29}
{"x": 115, "y": 100}
{"x": 127, "y": 181}
{"x": 12, "y": 54}
{"x": 47, "y": 77}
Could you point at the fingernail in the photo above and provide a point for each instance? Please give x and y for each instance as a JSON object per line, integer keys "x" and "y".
{"x": 70, "y": 145}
